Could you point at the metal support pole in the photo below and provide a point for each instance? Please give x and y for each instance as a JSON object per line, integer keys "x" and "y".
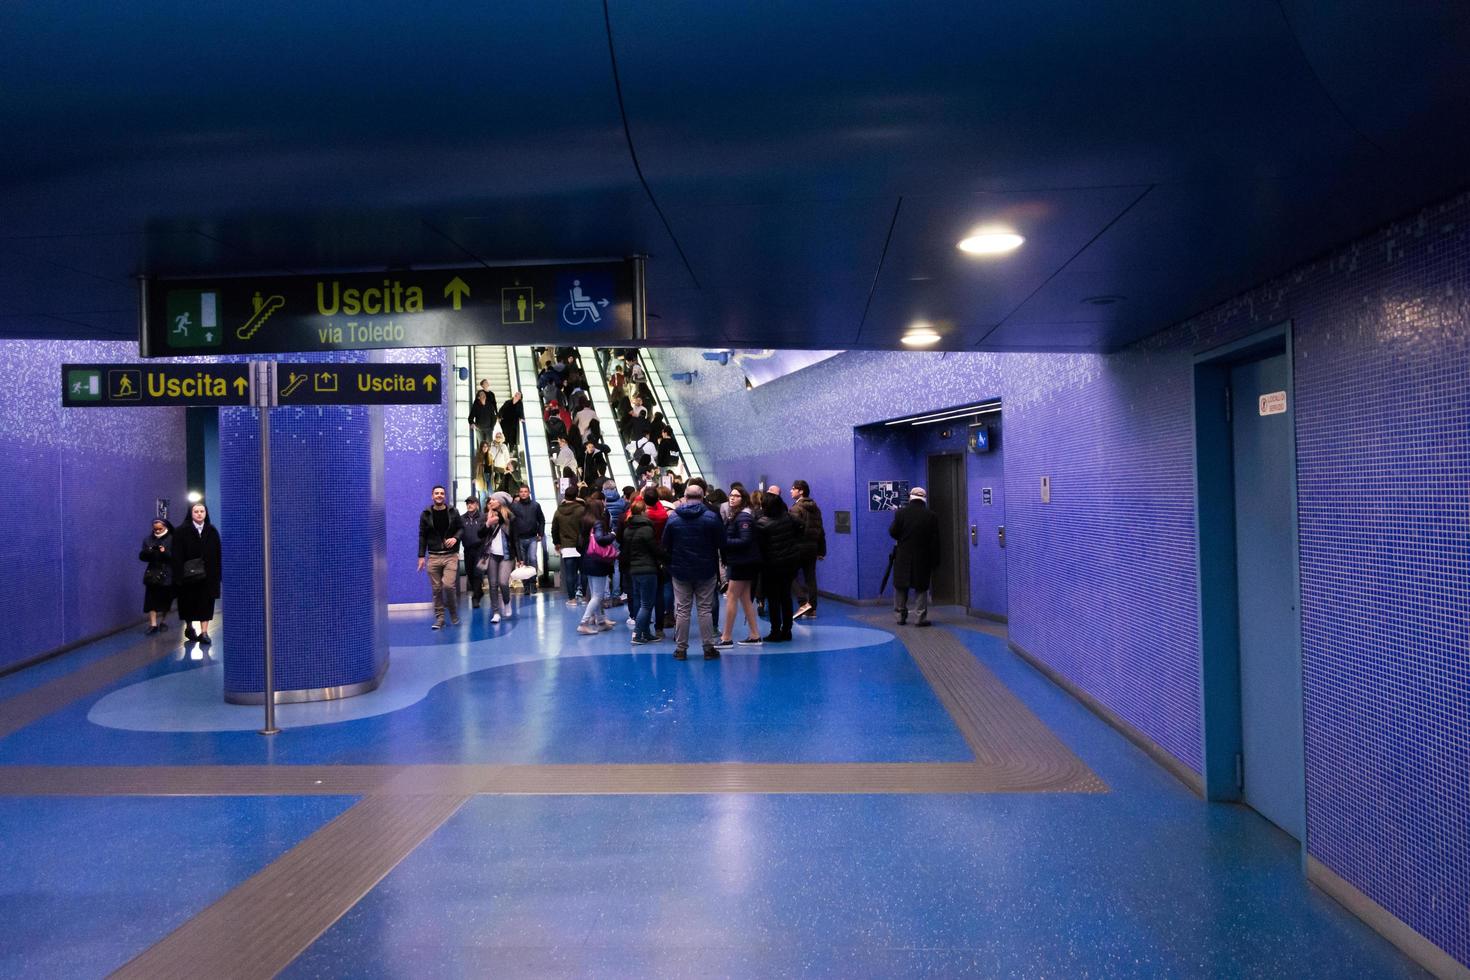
{"x": 640, "y": 298}
{"x": 144, "y": 345}
{"x": 265, "y": 390}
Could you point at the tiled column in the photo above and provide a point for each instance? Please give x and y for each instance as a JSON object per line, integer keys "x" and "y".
{"x": 329, "y": 583}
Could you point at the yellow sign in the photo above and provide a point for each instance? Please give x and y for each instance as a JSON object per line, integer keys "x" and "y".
{"x": 125, "y": 385}
{"x": 325, "y": 381}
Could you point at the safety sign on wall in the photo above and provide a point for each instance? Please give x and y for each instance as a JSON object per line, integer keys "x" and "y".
{"x": 887, "y": 494}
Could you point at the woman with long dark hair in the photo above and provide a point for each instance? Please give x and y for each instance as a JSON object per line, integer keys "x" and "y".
{"x": 598, "y": 547}
{"x": 779, "y": 536}
{"x": 743, "y": 563}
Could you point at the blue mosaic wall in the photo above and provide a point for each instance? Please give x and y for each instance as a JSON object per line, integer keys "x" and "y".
{"x": 329, "y": 565}
{"x": 1101, "y": 582}
{"x": 77, "y": 497}
{"x": 415, "y": 457}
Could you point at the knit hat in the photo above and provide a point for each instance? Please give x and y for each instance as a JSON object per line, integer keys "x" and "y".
{"x": 917, "y": 493}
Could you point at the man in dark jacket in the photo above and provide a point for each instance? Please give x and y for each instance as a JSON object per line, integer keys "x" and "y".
{"x": 692, "y": 540}
{"x": 917, "y": 555}
{"x": 813, "y": 547}
{"x": 511, "y": 415}
{"x": 439, "y": 532}
{"x": 530, "y": 529}
{"x": 473, "y": 523}
{"x": 566, "y": 535}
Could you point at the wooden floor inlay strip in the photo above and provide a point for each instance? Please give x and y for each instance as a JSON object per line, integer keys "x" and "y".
{"x": 1004, "y": 734}
{"x": 33, "y": 705}
{"x": 257, "y": 929}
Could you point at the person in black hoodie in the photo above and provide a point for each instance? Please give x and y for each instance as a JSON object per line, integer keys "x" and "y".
{"x": 158, "y": 577}
{"x": 780, "y": 538}
{"x": 197, "y": 549}
{"x": 473, "y": 521}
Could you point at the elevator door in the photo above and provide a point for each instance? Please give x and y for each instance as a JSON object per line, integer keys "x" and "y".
{"x": 1270, "y": 646}
{"x": 946, "y": 492}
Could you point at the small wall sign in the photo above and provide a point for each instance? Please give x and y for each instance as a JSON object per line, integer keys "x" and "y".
{"x": 1273, "y": 403}
{"x": 985, "y": 497}
{"x": 887, "y": 494}
{"x": 844, "y": 521}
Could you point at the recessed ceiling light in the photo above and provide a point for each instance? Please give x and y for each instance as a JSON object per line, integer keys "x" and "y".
{"x": 920, "y": 336}
{"x": 991, "y": 241}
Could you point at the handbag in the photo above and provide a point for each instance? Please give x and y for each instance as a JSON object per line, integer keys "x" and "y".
{"x": 599, "y": 551}
{"x": 157, "y": 575}
{"x": 522, "y": 573}
{"x": 194, "y": 570}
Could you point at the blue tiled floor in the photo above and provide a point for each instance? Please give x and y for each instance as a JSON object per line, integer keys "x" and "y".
{"x": 87, "y": 884}
{"x": 625, "y": 704}
{"x": 1142, "y": 881}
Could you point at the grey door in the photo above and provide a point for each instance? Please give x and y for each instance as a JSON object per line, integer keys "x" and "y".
{"x": 946, "y": 492}
{"x": 1270, "y": 644}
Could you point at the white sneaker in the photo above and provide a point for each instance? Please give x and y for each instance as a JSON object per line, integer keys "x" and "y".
{"x": 631, "y": 622}
{"x": 587, "y": 630}
{"x": 495, "y": 619}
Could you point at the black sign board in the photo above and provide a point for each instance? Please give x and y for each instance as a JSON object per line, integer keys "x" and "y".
{"x": 136, "y": 385}
{"x": 887, "y": 494}
{"x": 588, "y": 303}
{"x": 358, "y": 384}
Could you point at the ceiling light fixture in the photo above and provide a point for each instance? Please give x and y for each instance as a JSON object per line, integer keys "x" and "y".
{"x": 919, "y": 337}
{"x": 991, "y": 241}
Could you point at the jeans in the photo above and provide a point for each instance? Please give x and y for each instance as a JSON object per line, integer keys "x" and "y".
{"x": 526, "y": 549}
{"x": 571, "y": 573}
{"x": 700, "y": 596}
{"x": 597, "y": 587}
{"x": 497, "y": 580}
{"x": 641, "y": 598}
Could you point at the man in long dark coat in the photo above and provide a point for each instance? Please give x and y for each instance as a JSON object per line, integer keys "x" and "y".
{"x": 917, "y": 532}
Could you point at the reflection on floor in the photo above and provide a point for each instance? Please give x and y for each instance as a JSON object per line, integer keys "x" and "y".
{"x": 600, "y": 871}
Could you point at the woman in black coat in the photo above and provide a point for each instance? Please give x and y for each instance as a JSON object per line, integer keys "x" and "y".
{"x": 158, "y": 577}
{"x": 779, "y": 536}
{"x": 197, "y": 541}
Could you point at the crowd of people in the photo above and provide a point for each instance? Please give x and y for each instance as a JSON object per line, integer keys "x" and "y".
{"x": 578, "y": 438}
{"x": 496, "y": 434}
{"x": 665, "y": 555}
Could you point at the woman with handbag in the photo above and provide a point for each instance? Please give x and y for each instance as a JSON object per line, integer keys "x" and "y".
{"x": 497, "y": 556}
{"x": 158, "y": 577}
{"x": 599, "y": 548}
{"x": 197, "y": 567}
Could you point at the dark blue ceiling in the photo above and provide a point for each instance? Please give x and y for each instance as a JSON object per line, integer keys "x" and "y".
{"x": 798, "y": 173}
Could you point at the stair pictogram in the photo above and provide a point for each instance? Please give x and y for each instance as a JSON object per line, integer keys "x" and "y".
{"x": 257, "y": 319}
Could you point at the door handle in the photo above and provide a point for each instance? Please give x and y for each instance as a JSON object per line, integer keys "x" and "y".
{"x": 974, "y": 535}
{"x": 1000, "y": 533}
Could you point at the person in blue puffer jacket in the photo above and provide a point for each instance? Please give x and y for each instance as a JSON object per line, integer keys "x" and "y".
{"x": 742, "y": 556}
